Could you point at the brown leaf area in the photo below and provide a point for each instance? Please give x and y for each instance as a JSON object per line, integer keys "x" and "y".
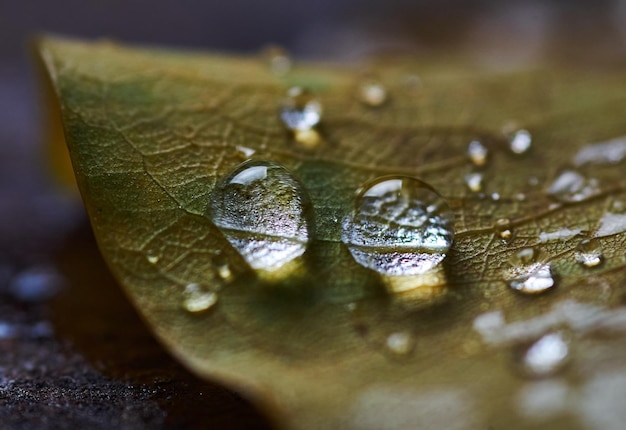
{"x": 151, "y": 132}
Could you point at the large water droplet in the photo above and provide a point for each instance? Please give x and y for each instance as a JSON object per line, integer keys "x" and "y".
{"x": 477, "y": 153}
{"x": 529, "y": 273}
{"x": 400, "y": 226}
{"x": 263, "y": 212}
{"x": 300, "y": 110}
{"x": 543, "y": 357}
{"x": 198, "y": 300}
{"x": 520, "y": 141}
{"x": 571, "y": 186}
{"x": 589, "y": 253}
{"x": 372, "y": 92}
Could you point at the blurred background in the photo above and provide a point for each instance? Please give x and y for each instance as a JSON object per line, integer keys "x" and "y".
{"x": 62, "y": 360}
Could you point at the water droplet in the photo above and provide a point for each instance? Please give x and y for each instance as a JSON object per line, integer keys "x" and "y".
{"x": 529, "y": 273}
{"x": 152, "y": 257}
{"x": 198, "y": 300}
{"x": 400, "y": 226}
{"x": 520, "y": 141}
{"x": 477, "y": 153}
{"x": 224, "y": 272}
{"x": 571, "y": 186}
{"x": 474, "y": 181}
{"x": 300, "y": 110}
{"x": 589, "y": 253}
{"x": 495, "y": 197}
{"x": 372, "y": 93}
{"x": 400, "y": 343}
{"x": 503, "y": 228}
{"x": 278, "y": 58}
{"x": 245, "y": 151}
{"x": 263, "y": 212}
{"x": 543, "y": 357}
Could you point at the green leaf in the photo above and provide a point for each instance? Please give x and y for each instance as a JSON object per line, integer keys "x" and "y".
{"x": 152, "y": 132}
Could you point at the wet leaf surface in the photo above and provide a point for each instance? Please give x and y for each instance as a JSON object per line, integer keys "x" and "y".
{"x": 325, "y": 342}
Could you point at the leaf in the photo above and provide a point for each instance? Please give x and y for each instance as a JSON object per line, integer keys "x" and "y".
{"x": 151, "y": 133}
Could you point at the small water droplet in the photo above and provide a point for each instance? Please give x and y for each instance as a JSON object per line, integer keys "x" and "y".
{"x": 477, "y": 153}
{"x": 372, "y": 93}
{"x": 618, "y": 207}
{"x": 520, "y": 197}
{"x": 589, "y": 253}
{"x": 263, "y": 212}
{"x": 400, "y": 343}
{"x": 152, "y": 257}
{"x": 504, "y": 229}
{"x": 307, "y": 138}
{"x": 300, "y": 110}
{"x": 400, "y": 226}
{"x": 278, "y": 59}
{"x": 224, "y": 272}
{"x": 198, "y": 300}
{"x": 544, "y": 357}
{"x": 245, "y": 151}
{"x": 520, "y": 141}
{"x": 571, "y": 186}
{"x": 495, "y": 197}
{"x": 529, "y": 273}
{"x": 474, "y": 181}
